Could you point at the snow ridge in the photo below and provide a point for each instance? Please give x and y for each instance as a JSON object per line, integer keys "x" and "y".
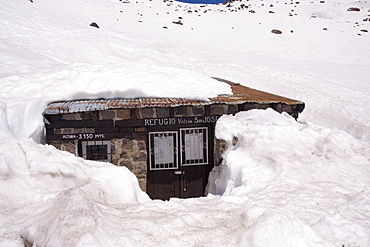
{"x": 283, "y": 183}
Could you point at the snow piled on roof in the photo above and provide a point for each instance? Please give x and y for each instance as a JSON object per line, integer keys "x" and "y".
{"x": 119, "y": 80}
{"x": 283, "y": 183}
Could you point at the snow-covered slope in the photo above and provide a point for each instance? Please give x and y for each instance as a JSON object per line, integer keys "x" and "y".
{"x": 283, "y": 184}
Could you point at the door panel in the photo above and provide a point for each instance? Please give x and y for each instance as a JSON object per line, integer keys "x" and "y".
{"x": 194, "y": 181}
{"x": 163, "y": 184}
{"x": 181, "y": 175}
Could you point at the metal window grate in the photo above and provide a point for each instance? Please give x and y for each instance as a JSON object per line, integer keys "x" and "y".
{"x": 163, "y": 150}
{"x": 194, "y": 146}
{"x": 97, "y": 150}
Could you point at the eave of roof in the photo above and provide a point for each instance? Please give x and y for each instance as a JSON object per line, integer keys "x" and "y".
{"x": 241, "y": 94}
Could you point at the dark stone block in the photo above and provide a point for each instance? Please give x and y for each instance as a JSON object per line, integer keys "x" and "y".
{"x": 180, "y": 110}
{"x": 127, "y": 164}
{"x": 354, "y": 9}
{"x": 71, "y": 116}
{"x": 217, "y": 110}
{"x": 141, "y": 145}
{"x": 127, "y": 144}
{"x": 248, "y": 106}
{"x": 276, "y": 31}
{"x": 147, "y": 113}
{"x": 232, "y": 109}
{"x": 140, "y": 156}
{"x": 86, "y": 115}
{"x": 199, "y": 111}
{"x": 162, "y": 112}
{"x": 93, "y": 24}
{"x": 107, "y": 115}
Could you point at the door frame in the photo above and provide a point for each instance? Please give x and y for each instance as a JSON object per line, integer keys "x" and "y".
{"x": 178, "y": 173}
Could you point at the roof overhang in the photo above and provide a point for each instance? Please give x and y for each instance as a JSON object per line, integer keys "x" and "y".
{"x": 240, "y": 95}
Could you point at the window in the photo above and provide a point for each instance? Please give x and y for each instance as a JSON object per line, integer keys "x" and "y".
{"x": 97, "y": 150}
{"x": 194, "y": 146}
{"x": 163, "y": 151}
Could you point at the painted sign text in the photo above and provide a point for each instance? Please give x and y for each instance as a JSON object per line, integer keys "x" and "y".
{"x": 182, "y": 120}
{"x": 83, "y": 136}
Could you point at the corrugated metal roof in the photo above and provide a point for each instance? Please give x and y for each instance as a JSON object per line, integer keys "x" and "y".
{"x": 241, "y": 94}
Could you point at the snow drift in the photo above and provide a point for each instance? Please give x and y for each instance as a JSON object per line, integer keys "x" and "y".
{"x": 305, "y": 180}
{"x": 283, "y": 183}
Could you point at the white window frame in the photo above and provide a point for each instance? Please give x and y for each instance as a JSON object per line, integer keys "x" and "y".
{"x": 204, "y": 145}
{"x": 171, "y": 154}
{"x": 92, "y": 143}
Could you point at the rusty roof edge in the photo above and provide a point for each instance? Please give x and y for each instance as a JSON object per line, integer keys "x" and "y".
{"x": 52, "y": 110}
{"x": 82, "y": 105}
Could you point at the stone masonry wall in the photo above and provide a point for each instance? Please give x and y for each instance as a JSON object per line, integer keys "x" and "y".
{"x": 132, "y": 154}
{"x": 220, "y": 147}
{"x": 69, "y": 146}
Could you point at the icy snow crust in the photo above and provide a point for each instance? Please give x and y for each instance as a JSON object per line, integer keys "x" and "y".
{"x": 283, "y": 183}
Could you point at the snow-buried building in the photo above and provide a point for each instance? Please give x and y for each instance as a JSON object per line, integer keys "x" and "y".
{"x": 168, "y": 143}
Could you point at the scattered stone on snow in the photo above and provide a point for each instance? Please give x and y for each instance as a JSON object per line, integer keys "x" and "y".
{"x": 93, "y": 24}
{"x": 354, "y": 9}
{"x": 276, "y": 31}
{"x": 178, "y": 22}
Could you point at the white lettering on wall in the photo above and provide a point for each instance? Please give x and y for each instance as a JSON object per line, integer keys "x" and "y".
{"x": 184, "y": 120}
{"x": 84, "y": 136}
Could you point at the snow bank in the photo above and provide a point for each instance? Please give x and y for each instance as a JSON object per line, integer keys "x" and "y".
{"x": 49, "y": 56}
{"x": 308, "y": 184}
{"x": 30, "y": 94}
{"x": 273, "y": 146}
{"x": 123, "y": 80}
{"x": 52, "y": 198}
{"x": 282, "y": 184}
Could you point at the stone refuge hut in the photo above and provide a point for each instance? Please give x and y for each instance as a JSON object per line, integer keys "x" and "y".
{"x": 168, "y": 143}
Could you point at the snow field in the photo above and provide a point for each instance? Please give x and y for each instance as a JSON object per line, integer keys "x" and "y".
{"x": 284, "y": 183}
{"x": 315, "y": 178}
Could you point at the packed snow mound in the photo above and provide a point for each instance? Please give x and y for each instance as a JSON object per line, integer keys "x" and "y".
{"x": 282, "y": 184}
{"x": 122, "y": 80}
{"x": 5, "y": 130}
{"x": 307, "y": 179}
{"x": 52, "y": 194}
{"x": 97, "y": 81}
{"x": 272, "y": 147}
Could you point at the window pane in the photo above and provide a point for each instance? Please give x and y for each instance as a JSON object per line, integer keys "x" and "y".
{"x": 163, "y": 149}
{"x": 194, "y": 142}
{"x": 97, "y": 152}
{"x": 193, "y": 146}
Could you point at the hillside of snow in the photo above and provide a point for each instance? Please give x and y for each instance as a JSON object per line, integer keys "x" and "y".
{"x": 284, "y": 183}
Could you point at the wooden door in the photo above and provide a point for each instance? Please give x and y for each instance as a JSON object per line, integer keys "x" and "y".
{"x": 178, "y": 163}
